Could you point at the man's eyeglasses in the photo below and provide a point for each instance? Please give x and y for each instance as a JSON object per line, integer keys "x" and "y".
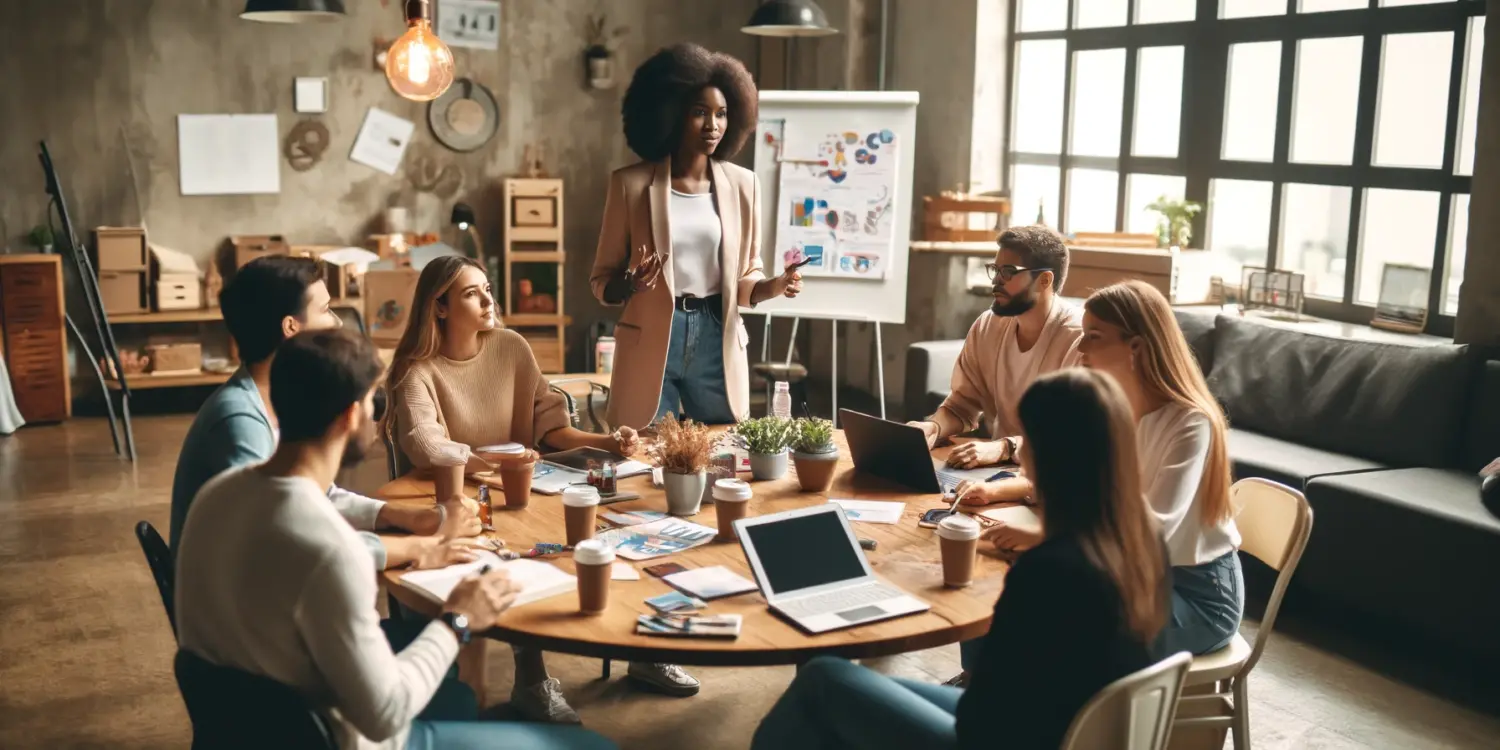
{"x": 1007, "y": 272}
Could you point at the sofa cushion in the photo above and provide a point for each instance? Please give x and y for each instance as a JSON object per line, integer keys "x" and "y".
{"x": 1197, "y": 326}
{"x": 1255, "y": 455}
{"x": 1482, "y": 439}
{"x": 1413, "y": 545}
{"x": 929, "y": 375}
{"x": 1393, "y": 403}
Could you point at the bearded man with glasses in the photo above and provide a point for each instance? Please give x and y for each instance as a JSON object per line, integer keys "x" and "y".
{"x": 1026, "y": 333}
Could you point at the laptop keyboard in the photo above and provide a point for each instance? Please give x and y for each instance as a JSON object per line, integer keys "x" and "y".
{"x": 838, "y": 601}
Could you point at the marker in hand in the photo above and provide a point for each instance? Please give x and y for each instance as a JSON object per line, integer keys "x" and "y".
{"x": 794, "y": 266}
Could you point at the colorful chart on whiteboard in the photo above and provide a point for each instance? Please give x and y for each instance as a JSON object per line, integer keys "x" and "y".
{"x": 835, "y": 193}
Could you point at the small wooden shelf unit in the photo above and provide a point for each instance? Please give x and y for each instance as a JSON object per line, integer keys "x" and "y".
{"x": 534, "y": 236}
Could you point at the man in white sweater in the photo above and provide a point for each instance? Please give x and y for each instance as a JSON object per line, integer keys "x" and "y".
{"x": 271, "y": 580}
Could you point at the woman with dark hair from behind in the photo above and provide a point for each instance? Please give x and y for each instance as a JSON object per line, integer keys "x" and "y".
{"x": 679, "y": 247}
{"x": 1078, "y": 611}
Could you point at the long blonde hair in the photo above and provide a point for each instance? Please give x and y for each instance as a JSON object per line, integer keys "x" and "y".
{"x": 1086, "y": 474}
{"x": 1168, "y": 370}
{"x": 423, "y": 337}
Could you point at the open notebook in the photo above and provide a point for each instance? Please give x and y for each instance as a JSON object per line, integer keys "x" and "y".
{"x": 539, "y": 580}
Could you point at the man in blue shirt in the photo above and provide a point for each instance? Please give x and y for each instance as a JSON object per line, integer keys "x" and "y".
{"x": 266, "y": 302}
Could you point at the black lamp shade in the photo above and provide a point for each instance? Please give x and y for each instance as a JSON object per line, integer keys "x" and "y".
{"x": 293, "y": 11}
{"x": 462, "y": 214}
{"x": 789, "y": 18}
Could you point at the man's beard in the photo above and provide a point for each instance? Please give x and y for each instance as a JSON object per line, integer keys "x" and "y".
{"x": 359, "y": 445}
{"x": 1018, "y": 304}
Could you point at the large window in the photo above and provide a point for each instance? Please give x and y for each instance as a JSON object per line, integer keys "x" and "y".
{"x": 1328, "y": 137}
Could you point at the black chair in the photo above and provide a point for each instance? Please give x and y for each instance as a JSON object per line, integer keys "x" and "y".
{"x": 159, "y": 558}
{"x": 234, "y": 709}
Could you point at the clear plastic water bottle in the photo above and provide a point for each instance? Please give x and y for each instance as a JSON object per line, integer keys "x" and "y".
{"x": 781, "y": 403}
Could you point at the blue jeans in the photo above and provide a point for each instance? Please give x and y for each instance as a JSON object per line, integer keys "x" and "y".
{"x": 834, "y": 704}
{"x": 487, "y": 735}
{"x": 693, "y": 383}
{"x": 1207, "y": 603}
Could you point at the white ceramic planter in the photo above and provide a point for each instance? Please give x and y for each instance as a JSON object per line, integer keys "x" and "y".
{"x": 684, "y": 492}
{"x": 766, "y": 466}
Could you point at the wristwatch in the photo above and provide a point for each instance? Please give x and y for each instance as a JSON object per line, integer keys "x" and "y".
{"x": 1012, "y": 446}
{"x": 459, "y": 624}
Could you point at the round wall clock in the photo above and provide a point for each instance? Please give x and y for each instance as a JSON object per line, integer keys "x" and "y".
{"x": 465, "y": 117}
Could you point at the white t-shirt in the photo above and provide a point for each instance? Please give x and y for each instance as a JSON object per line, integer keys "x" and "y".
{"x": 696, "y": 236}
{"x": 1173, "y": 443}
{"x": 271, "y": 580}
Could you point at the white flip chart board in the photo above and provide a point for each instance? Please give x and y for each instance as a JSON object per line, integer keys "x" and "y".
{"x": 228, "y": 154}
{"x": 844, "y": 158}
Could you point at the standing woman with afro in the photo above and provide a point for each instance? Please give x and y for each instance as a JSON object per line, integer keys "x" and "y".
{"x": 680, "y": 244}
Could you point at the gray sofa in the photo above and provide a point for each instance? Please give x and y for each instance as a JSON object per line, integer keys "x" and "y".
{"x": 1384, "y": 438}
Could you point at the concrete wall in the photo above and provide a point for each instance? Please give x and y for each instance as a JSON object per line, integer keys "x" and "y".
{"x": 1479, "y": 297}
{"x": 103, "y": 80}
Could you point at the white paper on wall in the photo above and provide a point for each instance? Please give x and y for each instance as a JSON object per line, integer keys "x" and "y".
{"x": 382, "y": 140}
{"x": 228, "y": 154}
{"x": 469, "y": 23}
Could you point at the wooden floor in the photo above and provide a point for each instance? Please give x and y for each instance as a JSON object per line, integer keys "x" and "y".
{"x": 85, "y": 650}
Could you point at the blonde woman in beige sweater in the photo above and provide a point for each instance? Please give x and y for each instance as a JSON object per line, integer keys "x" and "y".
{"x": 460, "y": 380}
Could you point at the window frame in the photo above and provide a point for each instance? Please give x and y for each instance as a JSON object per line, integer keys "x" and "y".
{"x": 1206, "y": 42}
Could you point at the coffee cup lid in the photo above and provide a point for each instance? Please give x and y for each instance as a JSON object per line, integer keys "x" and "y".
{"x": 958, "y": 526}
{"x": 580, "y": 496}
{"x": 732, "y": 489}
{"x": 593, "y": 552}
{"x": 507, "y": 449}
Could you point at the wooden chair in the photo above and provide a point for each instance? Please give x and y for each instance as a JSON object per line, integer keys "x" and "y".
{"x": 1274, "y": 522}
{"x": 1140, "y": 241}
{"x": 159, "y": 559}
{"x": 1134, "y": 712}
{"x": 234, "y": 709}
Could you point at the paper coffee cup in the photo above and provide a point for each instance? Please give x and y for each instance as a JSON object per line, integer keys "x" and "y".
{"x": 580, "y": 508}
{"x": 731, "y": 500}
{"x": 958, "y": 539}
{"x": 516, "y": 464}
{"x": 595, "y": 561}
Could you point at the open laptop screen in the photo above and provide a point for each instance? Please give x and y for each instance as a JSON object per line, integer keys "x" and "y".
{"x": 805, "y": 551}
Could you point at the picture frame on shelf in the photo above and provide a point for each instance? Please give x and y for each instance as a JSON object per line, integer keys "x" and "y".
{"x": 1402, "y": 304}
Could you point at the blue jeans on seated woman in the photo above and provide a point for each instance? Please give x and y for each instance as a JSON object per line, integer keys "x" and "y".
{"x": 693, "y": 384}
{"x": 489, "y": 735}
{"x": 835, "y": 704}
{"x": 1208, "y": 601}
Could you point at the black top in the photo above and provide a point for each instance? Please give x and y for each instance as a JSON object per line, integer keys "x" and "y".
{"x": 1058, "y": 637}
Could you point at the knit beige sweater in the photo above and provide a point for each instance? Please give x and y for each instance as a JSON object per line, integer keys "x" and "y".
{"x": 444, "y": 407}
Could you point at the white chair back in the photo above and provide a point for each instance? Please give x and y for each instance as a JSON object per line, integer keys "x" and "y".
{"x": 1134, "y": 712}
{"x": 1275, "y": 522}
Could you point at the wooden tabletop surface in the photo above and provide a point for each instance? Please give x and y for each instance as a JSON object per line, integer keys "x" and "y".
{"x": 906, "y": 556}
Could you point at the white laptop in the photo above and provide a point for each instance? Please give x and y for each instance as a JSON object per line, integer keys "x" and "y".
{"x": 810, "y": 568}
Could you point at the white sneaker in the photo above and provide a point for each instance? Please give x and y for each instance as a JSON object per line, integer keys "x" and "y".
{"x": 667, "y": 678}
{"x": 543, "y": 702}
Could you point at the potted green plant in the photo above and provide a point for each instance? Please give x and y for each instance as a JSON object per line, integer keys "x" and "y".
{"x": 599, "y": 56}
{"x": 1175, "y": 227}
{"x": 681, "y": 450}
{"x": 40, "y": 238}
{"x": 814, "y": 453}
{"x": 767, "y": 440}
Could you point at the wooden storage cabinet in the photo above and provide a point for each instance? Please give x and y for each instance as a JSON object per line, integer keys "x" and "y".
{"x": 533, "y": 251}
{"x": 33, "y": 335}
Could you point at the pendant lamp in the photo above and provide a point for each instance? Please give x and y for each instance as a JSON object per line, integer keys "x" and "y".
{"x": 293, "y": 11}
{"x": 789, "y": 18}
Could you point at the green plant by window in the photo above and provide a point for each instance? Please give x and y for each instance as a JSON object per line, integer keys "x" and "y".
{"x": 1175, "y": 227}
{"x": 765, "y": 435}
{"x": 813, "y": 435}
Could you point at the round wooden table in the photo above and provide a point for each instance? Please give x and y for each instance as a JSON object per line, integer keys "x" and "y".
{"x": 906, "y": 556}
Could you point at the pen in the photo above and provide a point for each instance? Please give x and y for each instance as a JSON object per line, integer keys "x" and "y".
{"x": 798, "y": 264}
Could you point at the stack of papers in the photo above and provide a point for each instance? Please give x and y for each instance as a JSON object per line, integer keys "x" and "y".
{"x": 871, "y": 511}
{"x": 690, "y": 626}
{"x": 710, "y": 583}
{"x": 657, "y": 538}
{"x": 633, "y": 517}
{"x": 539, "y": 580}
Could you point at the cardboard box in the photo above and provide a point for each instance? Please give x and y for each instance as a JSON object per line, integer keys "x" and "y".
{"x": 177, "y": 358}
{"x": 387, "y": 296}
{"x": 248, "y": 247}
{"x": 179, "y": 291}
{"x": 120, "y": 249}
{"x": 342, "y": 280}
{"x": 122, "y": 291}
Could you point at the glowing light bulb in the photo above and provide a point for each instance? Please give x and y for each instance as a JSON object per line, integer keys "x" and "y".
{"x": 419, "y": 65}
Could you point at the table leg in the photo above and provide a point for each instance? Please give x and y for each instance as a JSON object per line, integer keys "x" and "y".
{"x": 471, "y": 663}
